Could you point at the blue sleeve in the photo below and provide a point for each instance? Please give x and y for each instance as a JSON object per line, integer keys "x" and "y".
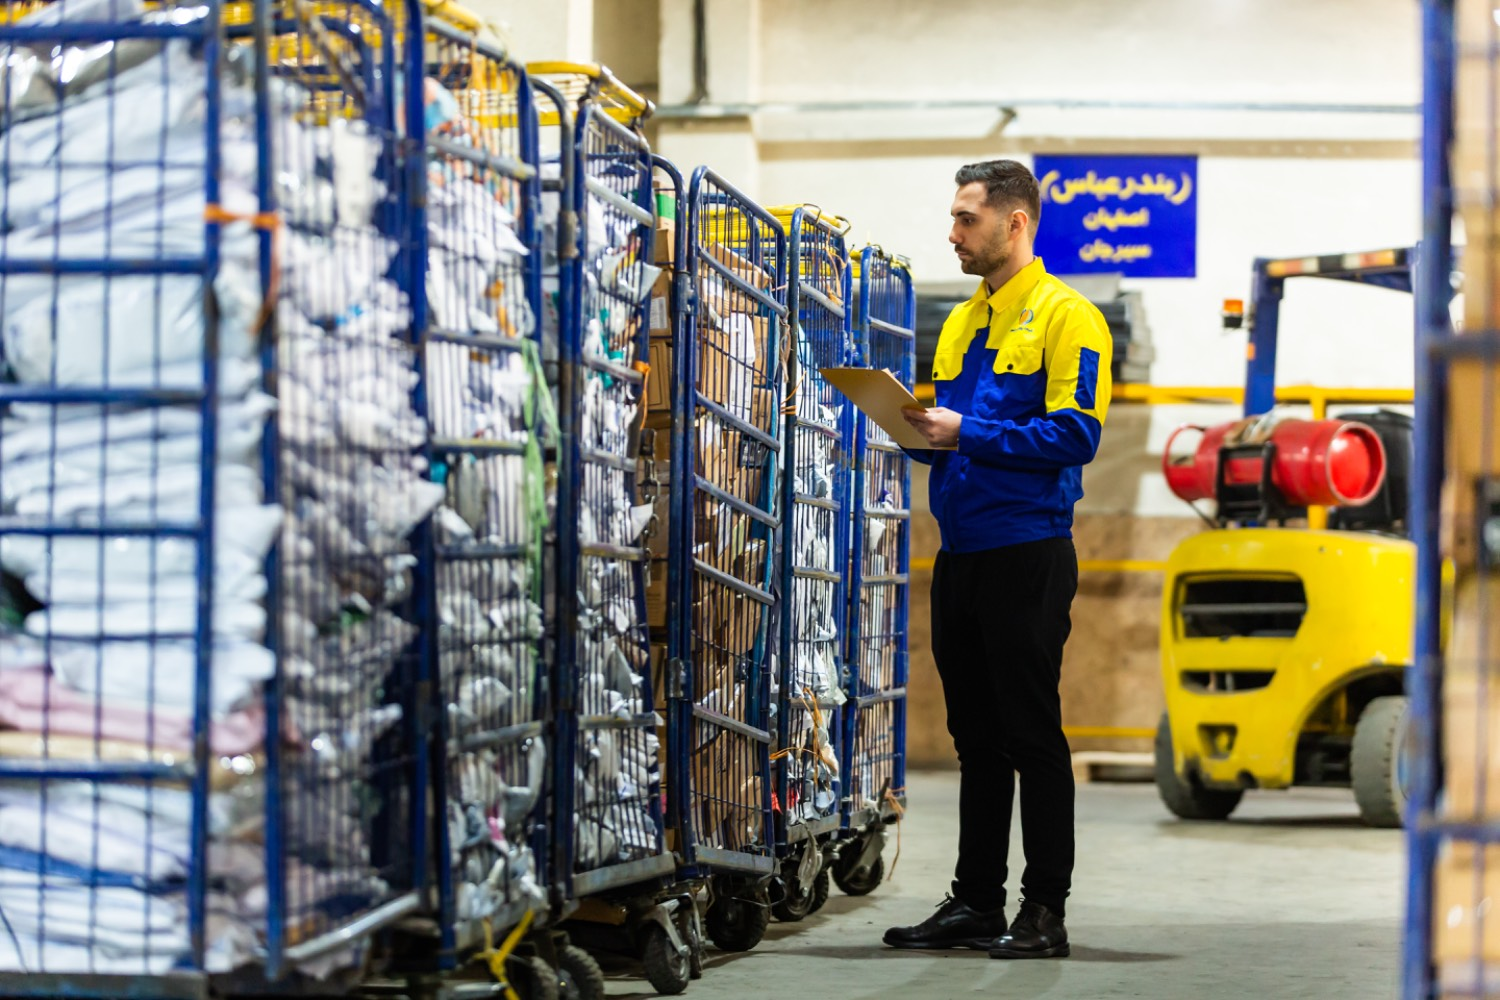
{"x": 922, "y": 455}
{"x": 1059, "y": 440}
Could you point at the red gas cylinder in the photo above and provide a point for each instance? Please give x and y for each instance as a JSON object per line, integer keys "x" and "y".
{"x": 1318, "y": 462}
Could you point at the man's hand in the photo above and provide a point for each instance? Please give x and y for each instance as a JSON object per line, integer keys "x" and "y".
{"x": 938, "y": 425}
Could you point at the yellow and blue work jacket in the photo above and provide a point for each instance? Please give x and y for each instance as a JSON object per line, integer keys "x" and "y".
{"x": 1028, "y": 368}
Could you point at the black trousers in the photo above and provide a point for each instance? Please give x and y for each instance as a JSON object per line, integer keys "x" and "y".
{"x": 999, "y": 622}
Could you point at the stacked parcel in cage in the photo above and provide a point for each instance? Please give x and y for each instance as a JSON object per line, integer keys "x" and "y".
{"x": 1466, "y": 942}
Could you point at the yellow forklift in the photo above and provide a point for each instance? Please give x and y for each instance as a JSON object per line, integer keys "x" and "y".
{"x": 1285, "y": 646}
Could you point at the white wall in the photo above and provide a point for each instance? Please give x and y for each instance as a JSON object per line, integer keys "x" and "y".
{"x": 541, "y": 29}
{"x": 1252, "y": 50}
{"x": 1270, "y": 184}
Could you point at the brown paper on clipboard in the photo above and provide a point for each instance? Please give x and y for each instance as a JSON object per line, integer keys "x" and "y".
{"x": 881, "y": 398}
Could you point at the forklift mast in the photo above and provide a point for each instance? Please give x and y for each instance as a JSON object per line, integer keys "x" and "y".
{"x": 1383, "y": 268}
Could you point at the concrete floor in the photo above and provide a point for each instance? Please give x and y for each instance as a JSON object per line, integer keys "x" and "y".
{"x": 1292, "y": 898}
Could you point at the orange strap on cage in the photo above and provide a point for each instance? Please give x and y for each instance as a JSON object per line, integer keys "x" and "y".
{"x": 260, "y": 220}
{"x": 269, "y": 222}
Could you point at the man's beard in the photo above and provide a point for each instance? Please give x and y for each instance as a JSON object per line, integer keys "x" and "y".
{"x": 992, "y": 259}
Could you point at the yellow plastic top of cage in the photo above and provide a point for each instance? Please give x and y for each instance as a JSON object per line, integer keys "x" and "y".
{"x": 835, "y": 224}
{"x": 897, "y": 261}
{"x": 579, "y": 82}
{"x": 16, "y": 11}
{"x": 455, "y": 15}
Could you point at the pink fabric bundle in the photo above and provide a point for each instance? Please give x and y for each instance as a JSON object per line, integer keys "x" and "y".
{"x": 33, "y": 700}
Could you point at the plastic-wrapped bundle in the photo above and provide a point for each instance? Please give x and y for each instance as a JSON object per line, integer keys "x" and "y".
{"x": 492, "y": 416}
{"x": 813, "y": 617}
{"x": 92, "y": 665}
{"x": 355, "y": 487}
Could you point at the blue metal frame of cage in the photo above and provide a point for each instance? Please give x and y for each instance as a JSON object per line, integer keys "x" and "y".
{"x": 394, "y": 769}
{"x": 876, "y": 632}
{"x": 201, "y": 30}
{"x": 609, "y": 181}
{"x": 396, "y": 774}
{"x": 819, "y": 307}
{"x": 478, "y": 731}
{"x": 1434, "y": 346}
{"x": 720, "y": 614}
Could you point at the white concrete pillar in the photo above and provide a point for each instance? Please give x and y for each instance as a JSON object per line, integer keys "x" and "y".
{"x": 549, "y": 30}
{"x": 733, "y": 33}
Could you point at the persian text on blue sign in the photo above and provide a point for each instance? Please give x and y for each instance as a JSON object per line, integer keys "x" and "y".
{"x": 1132, "y": 215}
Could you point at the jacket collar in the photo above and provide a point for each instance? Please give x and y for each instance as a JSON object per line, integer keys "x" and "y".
{"x": 1013, "y": 290}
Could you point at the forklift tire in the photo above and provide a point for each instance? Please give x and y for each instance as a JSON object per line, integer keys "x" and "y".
{"x": 1375, "y": 761}
{"x": 1188, "y": 799}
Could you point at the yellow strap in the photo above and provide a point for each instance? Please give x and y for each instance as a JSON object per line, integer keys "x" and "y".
{"x": 495, "y": 957}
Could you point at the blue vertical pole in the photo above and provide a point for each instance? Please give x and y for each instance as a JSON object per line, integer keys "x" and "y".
{"x": 903, "y": 654}
{"x": 271, "y": 467}
{"x": 1260, "y": 371}
{"x": 1433, "y": 266}
{"x": 424, "y": 703}
{"x": 680, "y": 509}
{"x": 853, "y": 658}
{"x": 571, "y": 203}
{"x": 208, "y": 456}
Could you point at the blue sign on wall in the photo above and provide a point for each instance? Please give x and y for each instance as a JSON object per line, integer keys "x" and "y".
{"x": 1131, "y": 215}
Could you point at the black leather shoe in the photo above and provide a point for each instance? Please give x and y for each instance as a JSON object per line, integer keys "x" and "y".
{"x": 1036, "y": 933}
{"x": 954, "y": 925}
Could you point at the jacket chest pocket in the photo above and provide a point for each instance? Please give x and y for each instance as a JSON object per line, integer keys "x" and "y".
{"x": 1016, "y": 385}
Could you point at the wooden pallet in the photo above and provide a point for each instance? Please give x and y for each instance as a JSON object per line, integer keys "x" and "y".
{"x": 1112, "y": 765}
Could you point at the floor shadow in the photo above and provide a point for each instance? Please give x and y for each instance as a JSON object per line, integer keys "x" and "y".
{"x": 1339, "y": 822}
{"x": 1085, "y": 953}
{"x": 1182, "y": 827}
{"x": 868, "y": 952}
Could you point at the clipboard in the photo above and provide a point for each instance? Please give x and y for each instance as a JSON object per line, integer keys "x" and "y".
{"x": 881, "y": 398}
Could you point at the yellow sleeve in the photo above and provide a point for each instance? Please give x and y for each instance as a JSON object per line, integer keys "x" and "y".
{"x": 1079, "y": 352}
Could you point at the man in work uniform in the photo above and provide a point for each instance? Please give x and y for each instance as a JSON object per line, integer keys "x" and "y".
{"x": 1022, "y": 373}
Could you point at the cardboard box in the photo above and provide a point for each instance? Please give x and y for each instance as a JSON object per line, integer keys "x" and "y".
{"x": 742, "y": 267}
{"x": 1463, "y": 900}
{"x": 727, "y": 367}
{"x": 733, "y": 461}
{"x": 1481, "y": 283}
{"x": 660, "y": 693}
{"x": 664, "y": 241}
{"x": 721, "y": 296}
{"x": 727, "y": 792}
{"x": 659, "y": 384}
{"x": 753, "y": 460}
{"x": 661, "y": 307}
{"x": 656, "y": 595}
{"x": 1471, "y": 743}
{"x": 1473, "y": 21}
{"x": 1471, "y": 701}
{"x": 739, "y": 623}
{"x": 750, "y": 565}
{"x": 1474, "y": 431}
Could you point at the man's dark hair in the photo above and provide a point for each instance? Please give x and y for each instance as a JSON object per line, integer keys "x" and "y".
{"x": 1008, "y": 185}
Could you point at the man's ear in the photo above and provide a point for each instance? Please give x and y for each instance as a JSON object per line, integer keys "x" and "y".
{"x": 1019, "y": 220}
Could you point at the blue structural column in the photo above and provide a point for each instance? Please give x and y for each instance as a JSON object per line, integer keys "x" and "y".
{"x": 1432, "y": 292}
